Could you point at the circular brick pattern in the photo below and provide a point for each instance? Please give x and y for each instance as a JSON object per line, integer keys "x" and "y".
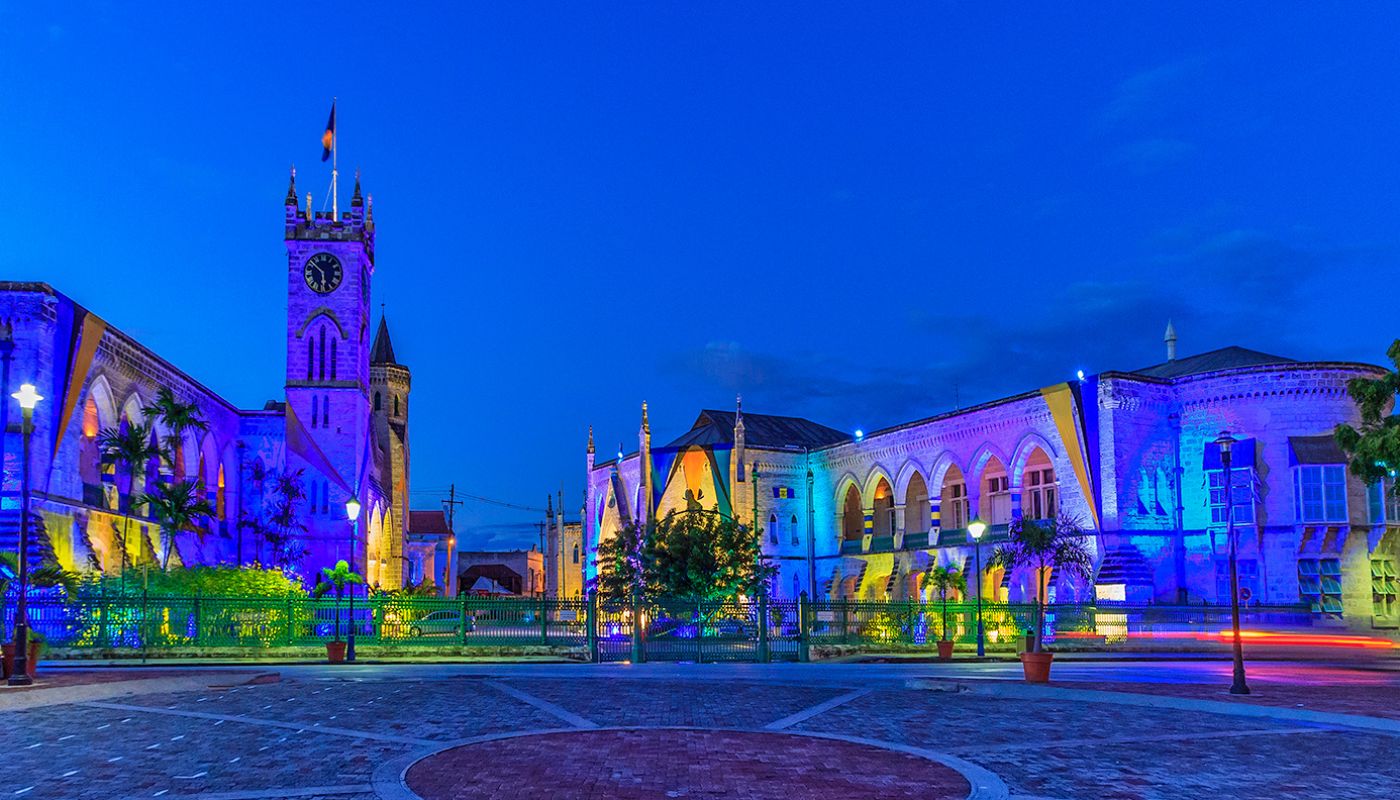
{"x": 662, "y": 763}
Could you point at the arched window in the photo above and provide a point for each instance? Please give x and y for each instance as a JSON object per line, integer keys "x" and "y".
{"x": 321, "y": 354}
{"x": 310, "y": 359}
{"x": 333, "y": 360}
{"x": 772, "y": 528}
{"x": 396, "y": 405}
{"x": 575, "y": 554}
{"x": 377, "y": 402}
{"x": 315, "y": 412}
{"x": 220, "y": 507}
{"x": 326, "y": 411}
{"x": 795, "y": 538}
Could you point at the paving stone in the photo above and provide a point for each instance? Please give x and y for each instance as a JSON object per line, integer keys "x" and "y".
{"x": 703, "y": 705}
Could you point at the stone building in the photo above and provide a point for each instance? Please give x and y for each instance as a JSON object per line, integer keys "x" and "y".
{"x": 339, "y": 429}
{"x": 563, "y": 552}
{"x": 517, "y": 572}
{"x": 1130, "y": 455}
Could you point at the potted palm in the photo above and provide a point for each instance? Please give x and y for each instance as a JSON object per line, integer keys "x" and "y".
{"x": 336, "y": 578}
{"x": 41, "y": 577}
{"x": 1043, "y": 546}
{"x": 946, "y": 579}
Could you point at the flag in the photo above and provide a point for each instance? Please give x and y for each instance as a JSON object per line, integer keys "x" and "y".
{"x": 328, "y": 138}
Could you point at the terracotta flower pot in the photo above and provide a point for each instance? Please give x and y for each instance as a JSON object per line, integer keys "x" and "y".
{"x": 9, "y": 659}
{"x": 335, "y": 652}
{"x": 1036, "y": 666}
{"x": 945, "y": 650}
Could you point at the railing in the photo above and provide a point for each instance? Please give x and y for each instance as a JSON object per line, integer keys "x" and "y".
{"x": 670, "y": 630}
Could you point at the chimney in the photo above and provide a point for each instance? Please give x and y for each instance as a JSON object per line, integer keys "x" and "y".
{"x": 1170, "y": 339}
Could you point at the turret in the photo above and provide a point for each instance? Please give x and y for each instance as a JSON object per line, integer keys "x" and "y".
{"x": 1170, "y": 339}
{"x": 644, "y": 438}
{"x": 389, "y": 385}
{"x": 737, "y": 467}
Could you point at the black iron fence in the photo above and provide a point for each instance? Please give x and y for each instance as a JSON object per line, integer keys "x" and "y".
{"x": 657, "y": 630}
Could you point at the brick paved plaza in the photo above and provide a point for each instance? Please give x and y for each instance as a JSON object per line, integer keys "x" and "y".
{"x": 744, "y": 731}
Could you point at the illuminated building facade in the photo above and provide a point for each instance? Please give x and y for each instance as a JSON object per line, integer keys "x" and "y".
{"x": 342, "y": 422}
{"x": 1129, "y": 455}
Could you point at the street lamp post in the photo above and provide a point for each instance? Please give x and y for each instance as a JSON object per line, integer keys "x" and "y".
{"x": 977, "y": 527}
{"x": 352, "y": 512}
{"x": 27, "y": 398}
{"x": 1226, "y": 443}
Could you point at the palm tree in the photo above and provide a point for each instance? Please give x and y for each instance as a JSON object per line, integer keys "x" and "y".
{"x": 1044, "y": 545}
{"x": 285, "y": 523}
{"x": 179, "y": 507}
{"x": 946, "y": 579}
{"x": 339, "y": 578}
{"x": 179, "y": 418}
{"x": 127, "y": 446}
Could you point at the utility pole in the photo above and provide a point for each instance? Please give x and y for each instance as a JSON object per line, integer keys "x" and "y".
{"x": 450, "y": 506}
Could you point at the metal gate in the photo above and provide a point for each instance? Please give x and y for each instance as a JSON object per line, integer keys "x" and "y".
{"x": 681, "y": 630}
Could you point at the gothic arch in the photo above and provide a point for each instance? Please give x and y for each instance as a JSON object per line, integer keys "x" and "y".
{"x": 326, "y": 312}
{"x": 872, "y": 480}
{"x": 939, "y": 470}
{"x": 131, "y": 409}
{"x": 100, "y": 392}
{"x": 1028, "y": 445}
{"x": 985, "y": 453}
{"x": 848, "y": 479}
{"x": 906, "y": 474}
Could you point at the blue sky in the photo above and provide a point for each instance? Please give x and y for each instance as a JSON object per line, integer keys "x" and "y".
{"x": 861, "y": 214}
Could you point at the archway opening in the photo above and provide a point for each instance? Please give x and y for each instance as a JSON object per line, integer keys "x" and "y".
{"x": 852, "y": 520}
{"x": 995, "y": 503}
{"x": 953, "y": 504}
{"x": 1040, "y": 494}
{"x": 916, "y": 505}
{"x": 884, "y": 510}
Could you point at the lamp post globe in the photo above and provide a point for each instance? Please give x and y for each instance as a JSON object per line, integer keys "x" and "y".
{"x": 975, "y": 529}
{"x": 28, "y": 398}
{"x": 352, "y": 513}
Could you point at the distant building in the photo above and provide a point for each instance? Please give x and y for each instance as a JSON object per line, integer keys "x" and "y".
{"x": 340, "y": 426}
{"x": 519, "y": 572}
{"x": 1130, "y": 454}
{"x": 431, "y": 546}
{"x": 563, "y": 552}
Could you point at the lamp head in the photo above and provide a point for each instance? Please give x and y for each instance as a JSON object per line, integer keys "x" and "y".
{"x": 976, "y": 527}
{"x": 1225, "y": 441}
{"x": 352, "y": 509}
{"x": 27, "y": 397}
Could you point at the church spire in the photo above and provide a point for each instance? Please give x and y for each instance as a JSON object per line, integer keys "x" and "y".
{"x": 292, "y": 188}
{"x": 383, "y": 350}
{"x": 590, "y": 440}
{"x": 1170, "y": 339}
{"x": 357, "y": 200}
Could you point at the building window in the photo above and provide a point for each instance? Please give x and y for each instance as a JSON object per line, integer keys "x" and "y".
{"x": 772, "y": 528}
{"x": 1383, "y": 503}
{"x": 1249, "y": 580}
{"x": 1041, "y": 493}
{"x": 310, "y": 359}
{"x": 377, "y": 402}
{"x": 1384, "y": 590}
{"x": 575, "y": 554}
{"x": 1242, "y": 503}
{"x": 333, "y": 359}
{"x": 795, "y": 538}
{"x": 326, "y": 411}
{"x": 1320, "y": 584}
{"x": 396, "y": 405}
{"x": 315, "y": 412}
{"x": 1320, "y": 493}
{"x": 321, "y": 356}
{"x": 954, "y": 514}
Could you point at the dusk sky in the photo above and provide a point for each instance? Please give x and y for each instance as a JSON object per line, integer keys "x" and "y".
{"x": 582, "y": 206}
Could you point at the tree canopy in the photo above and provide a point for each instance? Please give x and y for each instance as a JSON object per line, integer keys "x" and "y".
{"x": 692, "y": 555}
{"x": 1374, "y": 448}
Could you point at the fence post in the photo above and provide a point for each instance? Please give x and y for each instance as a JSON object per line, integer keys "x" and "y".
{"x": 699, "y": 633}
{"x": 464, "y": 596}
{"x": 803, "y": 642}
{"x": 290, "y": 638}
{"x": 198, "y": 617}
{"x": 763, "y": 654}
{"x": 637, "y": 650}
{"x": 845, "y": 621}
{"x": 591, "y": 621}
{"x": 544, "y": 620}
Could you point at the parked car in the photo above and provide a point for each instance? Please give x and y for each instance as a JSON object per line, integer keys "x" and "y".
{"x": 446, "y": 622}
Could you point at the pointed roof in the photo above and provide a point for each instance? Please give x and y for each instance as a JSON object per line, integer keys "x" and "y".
{"x": 760, "y": 430}
{"x": 383, "y": 350}
{"x": 1213, "y": 361}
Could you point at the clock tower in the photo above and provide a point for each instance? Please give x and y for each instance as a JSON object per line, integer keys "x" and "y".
{"x": 330, "y": 263}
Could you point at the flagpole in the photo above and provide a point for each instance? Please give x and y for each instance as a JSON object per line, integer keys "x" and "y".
{"x": 335, "y": 193}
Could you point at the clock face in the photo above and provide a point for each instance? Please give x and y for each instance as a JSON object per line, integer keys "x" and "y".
{"x": 322, "y": 273}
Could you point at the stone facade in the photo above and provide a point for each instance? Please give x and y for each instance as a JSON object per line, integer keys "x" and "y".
{"x": 1131, "y": 456}
{"x": 95, "y": 378}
